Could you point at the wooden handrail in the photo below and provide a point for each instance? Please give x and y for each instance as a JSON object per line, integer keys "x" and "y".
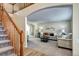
{"x": 20, "y": 32}
{"x": 3, "y": 9}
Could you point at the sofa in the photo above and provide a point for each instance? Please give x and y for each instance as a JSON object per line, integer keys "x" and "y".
{"x": 65, "y": 41}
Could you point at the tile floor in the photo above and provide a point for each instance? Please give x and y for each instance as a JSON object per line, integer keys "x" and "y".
{"x": 50, "y": 48}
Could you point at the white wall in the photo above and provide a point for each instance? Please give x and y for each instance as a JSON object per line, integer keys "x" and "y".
{"x": 19, "y": 21}
{"x": 76, "y": 29}
{"x": 25, "y": 31}
{"x": 34, "y": 28}
{"x": 57, "y": 26}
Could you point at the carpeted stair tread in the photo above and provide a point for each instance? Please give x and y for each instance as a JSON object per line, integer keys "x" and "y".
{"x": 1, "y": 26}
{"x": 2, "y": 30}
{"x": 2, "y": 50}
{"x": 3, "y": 35}
{"x": 5, "y": 45}
{"x": 4, "y": 41}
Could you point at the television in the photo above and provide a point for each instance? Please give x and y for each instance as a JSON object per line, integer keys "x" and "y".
{"x": 51, "y": 34}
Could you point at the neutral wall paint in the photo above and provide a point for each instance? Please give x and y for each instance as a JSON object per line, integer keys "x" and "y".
{"x": 58, "y": 25}
{"x": 19, "y": 21}
{"x": 76, "y": 29}
{"x": 34, "y": 29}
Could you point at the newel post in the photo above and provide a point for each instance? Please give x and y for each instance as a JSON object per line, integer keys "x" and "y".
{"x": 21, "y": 43}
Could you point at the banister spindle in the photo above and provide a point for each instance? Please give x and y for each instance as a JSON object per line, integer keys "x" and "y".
{"x": 21, "y": 44}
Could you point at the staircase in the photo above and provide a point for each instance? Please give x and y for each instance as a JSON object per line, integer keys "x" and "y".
{"x": 5, "y": 44}
{"x": 11, "y": 37}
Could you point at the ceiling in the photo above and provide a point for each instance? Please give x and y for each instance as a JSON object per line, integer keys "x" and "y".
{"x": 51, "y": 14}
{"x": 17, "y": 6}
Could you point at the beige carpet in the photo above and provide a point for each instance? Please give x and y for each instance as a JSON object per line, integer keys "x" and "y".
{"x": 50, "y": 48}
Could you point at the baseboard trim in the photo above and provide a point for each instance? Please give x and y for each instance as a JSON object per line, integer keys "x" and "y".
{"x": 64, "y": 48}
{"x": 52, "y": 39}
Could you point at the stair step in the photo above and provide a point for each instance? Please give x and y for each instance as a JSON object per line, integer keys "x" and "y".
{"x": 2, "y": 50}
{"x": 1, "y": 26}
{"x": 5, "y": 46}
{"x": 3, "y": 35}
{"x": 2, "y": 30}
{"x": 0, "y": 22}
{"x": 4, "y": 41}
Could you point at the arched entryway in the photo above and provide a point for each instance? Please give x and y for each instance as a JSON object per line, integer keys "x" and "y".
{"x": 38, "y": 9}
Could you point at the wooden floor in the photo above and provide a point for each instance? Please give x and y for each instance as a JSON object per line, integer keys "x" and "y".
{"x": 32, "y": 52}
